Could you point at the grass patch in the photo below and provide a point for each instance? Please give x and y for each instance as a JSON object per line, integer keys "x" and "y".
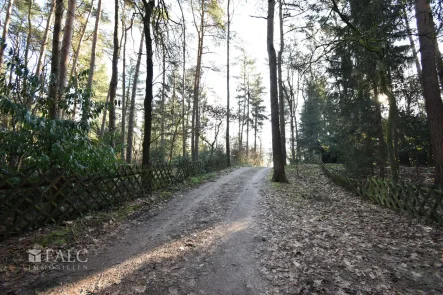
{"x": 56, "y": 238}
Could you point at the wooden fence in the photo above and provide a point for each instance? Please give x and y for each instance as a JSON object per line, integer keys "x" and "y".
{"x": 38, "y": 198}
{"x": 419, "y": 201}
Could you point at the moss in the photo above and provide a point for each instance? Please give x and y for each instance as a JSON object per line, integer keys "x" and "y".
{"x": 56, "y": 238}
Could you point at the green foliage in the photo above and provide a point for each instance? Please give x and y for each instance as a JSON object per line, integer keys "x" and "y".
{"x": 30, "y": 140}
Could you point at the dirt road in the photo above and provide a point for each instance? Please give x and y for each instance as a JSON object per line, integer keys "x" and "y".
{"x": 203, "y": 242}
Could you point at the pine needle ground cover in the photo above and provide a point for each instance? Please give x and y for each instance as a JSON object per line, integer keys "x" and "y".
{"x": 322, "y": 239}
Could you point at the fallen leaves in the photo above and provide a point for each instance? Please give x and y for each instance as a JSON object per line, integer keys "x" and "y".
{"x": 322, "y": 239}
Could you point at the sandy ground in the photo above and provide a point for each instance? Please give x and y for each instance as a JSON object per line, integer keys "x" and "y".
{"x": 241, "y": 234}
{"x": 203, "y": 242}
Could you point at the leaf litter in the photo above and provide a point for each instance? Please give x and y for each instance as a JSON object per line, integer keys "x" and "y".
{"x": 321, "y": 239}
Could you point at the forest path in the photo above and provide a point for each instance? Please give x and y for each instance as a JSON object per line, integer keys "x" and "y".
{"x": 203, "y": 242}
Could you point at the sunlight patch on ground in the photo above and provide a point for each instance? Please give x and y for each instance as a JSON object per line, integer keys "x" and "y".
{"x": 172, "y": 250}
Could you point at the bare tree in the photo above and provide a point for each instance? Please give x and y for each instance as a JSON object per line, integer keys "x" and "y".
{"x": 277, "y": 151}
{"x": 281, "y": 99}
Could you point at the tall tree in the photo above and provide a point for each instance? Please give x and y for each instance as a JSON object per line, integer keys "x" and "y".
{"x": 5, "y": 31}
{"x": 55, "y": 60}
{"x": 65, "y": 49}
{"x": 148, "y": 9}
{"x": 86, "y": 103}
{"x": 434, "y": 105}
{"x": 184, "y": 129}
{"x": 114, "y": 76}
{"x": 228, "y": 33}
{"x": 132, "y": 103}
{"x": 45, "y": 40}
{"x": 277, "y": 151}
{"x": 281, "y": 99}
{"x": 124, "y": 105}
{"x": 208, "y": 10}
{"x": 80, "y": 41}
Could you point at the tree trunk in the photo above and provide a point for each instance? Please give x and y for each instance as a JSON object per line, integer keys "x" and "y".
{"x": 196, "y": 116}
{"x": 64, "y": 52}
{"x": 45, "y": 41}
{"x": 163, "y": 96}
{"x": 433, "y": 102}
{"x": 295, "y": 119}
{"x": 277, "y": 151}
{"x": 124, "y": 106}
{"x": 291, "y": 101}
{"x": 392, "y": 120}
{"x": 280, "y": 84}
{"x": 86, "y": 103}
{"x": 55, "y": 62}
{"x": 28, "y": 39}
{"x": 148, "y": 6}
{"x": 174, "y": 134}
{"x": 77, "y": 54}
{"x": 228, "y": 150}
{"x": 28, "y": 102}
{"x": 184, "y": 129}
{"x": 5, "y": 31}
{"x": 247, "y": 125}
{"x": 114, "y": 78}
{"x": 255, "y": 133}
{"x": 82, "y": 35}
{"x": 132, "y": 106}
{"x": 102, "y": 129}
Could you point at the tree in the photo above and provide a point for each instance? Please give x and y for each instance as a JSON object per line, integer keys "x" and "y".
{"x": 45, "y": 39}
{"x": 281, "y": 99}
{"x": 365, "y": 39}
{"x": 228, "y": 152}
{"x": 277, "y": 151}
{"x": 184, "y": 131}
{"x": 208, "y": 11}
{"x": 433, "y": 102}
{"x": 87, "y": 102}
{"x": 148, "y": 9}
{"x": 65, "y": 49}
{"x": 114, "y": 77}
{"x": 55, "y": 70}
{"x": 5, "y": 31}
{"x": 257, "y": 107}
{"x": 132, "y": 105}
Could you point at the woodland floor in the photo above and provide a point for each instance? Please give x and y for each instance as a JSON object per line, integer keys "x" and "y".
{"x": 241, "y": 234}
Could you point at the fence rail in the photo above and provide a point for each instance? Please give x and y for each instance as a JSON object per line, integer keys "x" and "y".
{"x": 419, "y": 201}
{"x": 38, "y": 198}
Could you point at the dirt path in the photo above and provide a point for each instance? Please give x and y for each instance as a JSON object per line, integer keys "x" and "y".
{"x": 203, "y": 242}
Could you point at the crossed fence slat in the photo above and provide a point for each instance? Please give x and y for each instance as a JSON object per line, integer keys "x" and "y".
{"x": 29, "y": 201}
{"x": 419, "y": 201}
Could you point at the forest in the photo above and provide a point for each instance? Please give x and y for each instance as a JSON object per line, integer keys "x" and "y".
{"x": 89, "y": 85}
